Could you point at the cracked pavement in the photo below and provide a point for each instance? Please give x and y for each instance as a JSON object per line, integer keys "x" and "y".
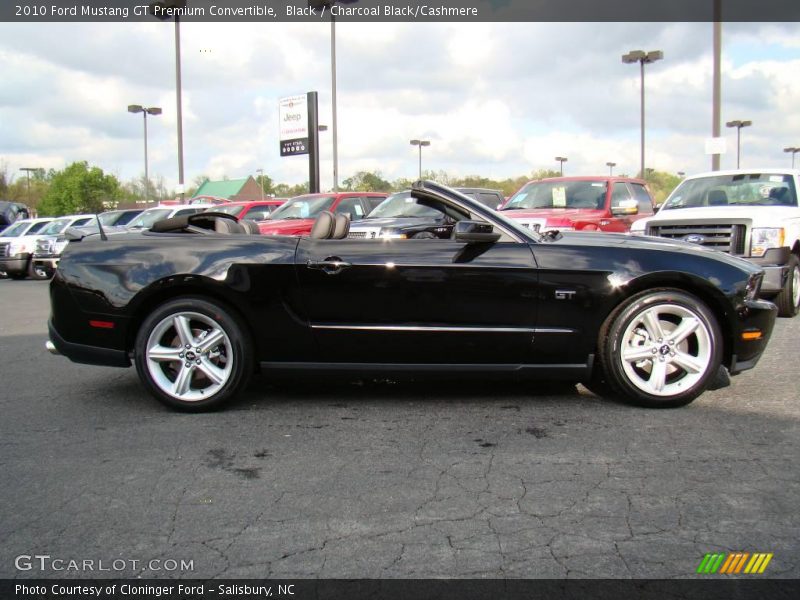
{"x": 383, "y": 479}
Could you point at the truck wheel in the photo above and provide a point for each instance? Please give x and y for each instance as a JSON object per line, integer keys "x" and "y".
{"x": 39, "y": 271}
{"x": 193, "y": 354}
{"x": 660, "y": 349}
{"x": 788, "y": 300}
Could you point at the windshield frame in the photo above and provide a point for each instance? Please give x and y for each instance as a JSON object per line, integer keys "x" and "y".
{"x": 429, "y": 213}
{"x": 142, "y": 219}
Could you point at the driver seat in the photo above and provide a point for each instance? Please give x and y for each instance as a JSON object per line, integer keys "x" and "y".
{"x": 323, "y": 226}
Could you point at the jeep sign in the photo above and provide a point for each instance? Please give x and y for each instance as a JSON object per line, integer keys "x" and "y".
{"x": 293, "y": 126}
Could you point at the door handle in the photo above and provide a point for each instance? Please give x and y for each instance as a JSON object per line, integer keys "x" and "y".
{"x": 332, "y": 265}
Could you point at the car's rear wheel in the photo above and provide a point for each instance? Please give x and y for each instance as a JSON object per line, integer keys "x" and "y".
{"x": 660, "y": 349}
{"x": 788, "y": 300}
{"x": 193, "y": 354}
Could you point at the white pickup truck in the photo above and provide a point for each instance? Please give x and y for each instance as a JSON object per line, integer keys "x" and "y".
{"x": 753, "y": 214}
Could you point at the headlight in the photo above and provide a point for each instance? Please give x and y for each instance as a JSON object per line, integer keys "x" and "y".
{"x": 763, "y": 238}
{"x": 18, "y": 248}
{"x": 388, "y": 234}
{"x": 58, "y": 247}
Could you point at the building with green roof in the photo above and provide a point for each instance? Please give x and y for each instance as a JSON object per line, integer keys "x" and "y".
{"x": 235, "y": 190}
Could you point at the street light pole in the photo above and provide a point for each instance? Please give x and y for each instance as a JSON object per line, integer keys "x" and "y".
{"x": 261, "y": 182}
{"x": 562, "y": 160}
{"x": 794, "y": 151}
{"x": 642, "y": 57}
{"x": 738, "y": 124}
{"x": 420, "y": 143}
{"x": 153, "y": 110}
{"x": 716, "y": 93}
{"x": 611, "y": 166}
{"x": 28, "y": 171}
{"x": 174, "y": 7}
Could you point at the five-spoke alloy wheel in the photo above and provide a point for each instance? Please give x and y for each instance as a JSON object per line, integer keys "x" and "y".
{"x": 192, "y": 354}
{"x": 661, "y": 348}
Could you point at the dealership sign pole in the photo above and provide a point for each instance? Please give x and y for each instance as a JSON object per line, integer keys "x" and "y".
{"x": 299, "y": 132}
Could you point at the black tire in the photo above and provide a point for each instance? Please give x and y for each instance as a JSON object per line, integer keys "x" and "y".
{"x": 230, "y": 360}
{"x": 423, "y": 235}
{"x": 669, "y": 370}
{"x": 788, "y": 300}
{"x": 39, "y": 273}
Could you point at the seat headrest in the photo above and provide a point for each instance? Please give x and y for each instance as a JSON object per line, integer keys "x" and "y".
{"x": 717, "y": 198}
{"x": 250, "y": 227}
{"x": 341, "y": 226}
{"x": 227, "y": 226}
{"x": 323, "y": 226}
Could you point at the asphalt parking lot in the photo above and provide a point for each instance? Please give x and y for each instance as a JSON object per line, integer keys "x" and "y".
{"x": 383, "y": 479}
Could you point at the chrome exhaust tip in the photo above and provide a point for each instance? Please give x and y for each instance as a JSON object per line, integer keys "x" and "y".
{"x": 51, "y": 348}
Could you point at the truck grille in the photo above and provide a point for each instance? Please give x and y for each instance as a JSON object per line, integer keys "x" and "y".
{"x": 357, "y": 234}
{"x": 4, "y": 250}
{"x": 726, "y": 237}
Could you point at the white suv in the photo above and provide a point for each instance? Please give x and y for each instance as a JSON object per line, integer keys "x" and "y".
{"x": 753, "y": 214}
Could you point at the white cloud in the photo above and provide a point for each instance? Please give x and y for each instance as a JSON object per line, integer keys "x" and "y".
{"x": 496, "y": 99}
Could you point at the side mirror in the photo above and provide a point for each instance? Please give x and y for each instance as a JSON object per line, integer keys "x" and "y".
{"x": 475, "y": 232}
{"x": 626, "y": 207}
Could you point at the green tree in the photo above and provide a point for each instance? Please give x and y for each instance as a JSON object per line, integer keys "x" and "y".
{"x": 366, "y": 181}
{"x": 661, "y": 184}
{"x": 79, "y": 188}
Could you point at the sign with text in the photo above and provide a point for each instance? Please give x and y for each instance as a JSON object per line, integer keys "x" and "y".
{"x": 293, "y": 126}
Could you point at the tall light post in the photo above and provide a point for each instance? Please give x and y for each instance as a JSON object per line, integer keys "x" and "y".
{"x": 642, "y": 57}
{"x": 611, "y": 166}
{"x": 327, "y": 4}
{"x": 738, "y": 125}
{"x": 562, "y": 160}
{"x": 420, "y": 143}
{"x": 794, "y": 151}
{"x": 175, "y": 6}
{"x": 261, "y": 182}
{"x": 153, "y": 110}
{"x": 29, "y": 170}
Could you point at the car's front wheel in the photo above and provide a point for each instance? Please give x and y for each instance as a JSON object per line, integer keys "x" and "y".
{"x": 660, "y": 348}
{"x": 193, "y": 354}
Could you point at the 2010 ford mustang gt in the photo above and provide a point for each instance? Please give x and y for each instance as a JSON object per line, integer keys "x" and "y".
{"x": 199, "y": 303}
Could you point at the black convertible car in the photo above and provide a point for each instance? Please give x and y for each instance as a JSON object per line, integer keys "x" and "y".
{"x": 198, "y": 304}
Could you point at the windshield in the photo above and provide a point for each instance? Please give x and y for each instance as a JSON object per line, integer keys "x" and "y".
{"x": 752, "y": 189}
{"x": 150, "y": 216}
{"x": 303, "y": 207}
{"x": 15, "y": 230}
{"x": 109, "y": 218}
{"x": 228, "y": 209}
{"x": 56, "y": 227}
{"x": 402, "y": 205}
{"x": 560, "y": 194}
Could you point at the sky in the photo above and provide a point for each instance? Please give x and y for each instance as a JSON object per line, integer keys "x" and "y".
{"x": 495, "y": 99}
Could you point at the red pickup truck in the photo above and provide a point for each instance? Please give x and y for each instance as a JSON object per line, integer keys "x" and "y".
{"x": 580, "y": 204}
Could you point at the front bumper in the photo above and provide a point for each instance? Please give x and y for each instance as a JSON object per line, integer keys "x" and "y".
{"x": 49, "y": 261}
{"x": 755, "y": 316}
{"x": 15, "y": 264}
{"x": 775, "y": 264}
